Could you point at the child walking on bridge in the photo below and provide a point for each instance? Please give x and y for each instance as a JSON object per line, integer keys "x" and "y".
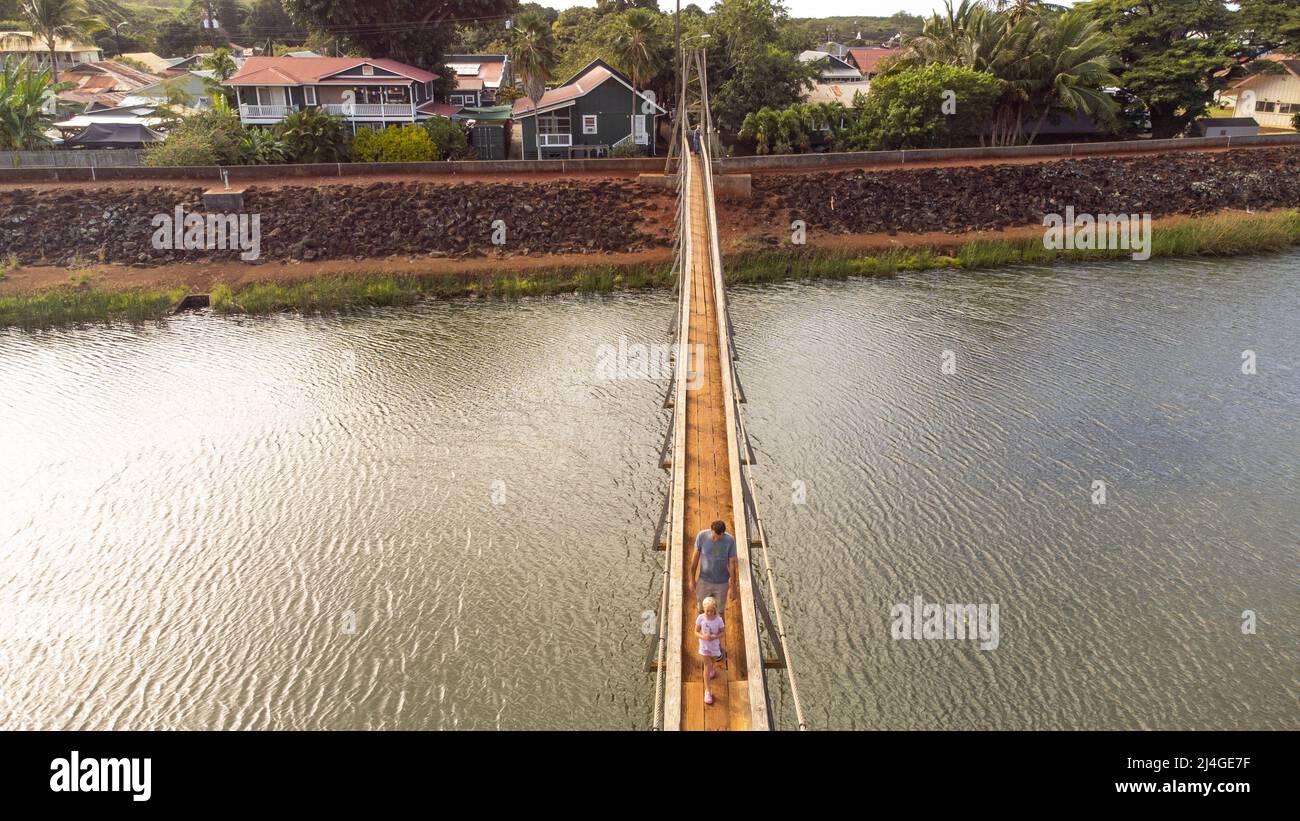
{"x": 708, "y": 629}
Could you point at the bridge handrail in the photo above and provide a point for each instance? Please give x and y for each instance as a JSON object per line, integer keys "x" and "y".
{"x": 747, "y": 468}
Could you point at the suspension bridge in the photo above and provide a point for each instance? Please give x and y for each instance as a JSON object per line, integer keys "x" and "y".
{"x": 709, "y": 459}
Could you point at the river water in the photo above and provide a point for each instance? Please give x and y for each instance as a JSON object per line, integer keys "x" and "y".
{"x": 441, "y": 516}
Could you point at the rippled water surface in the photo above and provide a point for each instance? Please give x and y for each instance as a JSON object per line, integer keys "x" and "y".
{"x": 440, "y": 517}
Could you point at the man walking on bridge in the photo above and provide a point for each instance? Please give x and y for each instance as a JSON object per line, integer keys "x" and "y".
{"x": 715, "y": 558}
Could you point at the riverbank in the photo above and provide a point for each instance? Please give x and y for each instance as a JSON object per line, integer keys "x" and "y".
{"x": 96, "y": 295}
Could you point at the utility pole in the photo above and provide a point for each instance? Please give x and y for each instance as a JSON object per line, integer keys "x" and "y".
{"x": 677, "y": 38}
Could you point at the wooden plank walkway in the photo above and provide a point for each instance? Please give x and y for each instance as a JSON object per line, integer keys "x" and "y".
{"x": 707, "y": 483}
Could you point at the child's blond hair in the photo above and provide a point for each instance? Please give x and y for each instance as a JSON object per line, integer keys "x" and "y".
{"x": 708, "y": 600}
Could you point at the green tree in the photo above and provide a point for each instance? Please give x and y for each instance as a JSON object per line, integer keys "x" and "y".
{"x": 767, "y": 77}
{"x": 178, "y": 38}
{"x": 448, "y": 137}
{"x": 532, "y": 50}
{"x": 756, "y": 71}
{"x": 639, "y": 50}
{"x": 311, "y": 135}
{"x": 222, "y": 64}
{"x": 1047, "y": 63}
{"x": 906, "y": 109}
{"x": 25, "y": 115}
{"x": 54, "y": 20}
{"x": 1068, "y": 71}
{"x": 267, "y": 20}
{"x": 1261, "y": 26}
{"x": 417, "y": 32}
{"x": 1172, "y": 56}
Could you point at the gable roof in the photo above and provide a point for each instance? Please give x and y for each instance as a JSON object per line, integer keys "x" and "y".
{"x": 102, "y": 82}
{"x": 868, "y": 59}
{"x": 25, "y": 41}
{"x": 581, "y": 84}
{"x": 834, "y": 68}
{"x": 486, "y": 67}
{"x": 148, "y": 58}
{"x": 1291, "y": 65}
{"x": 295, "y": 71}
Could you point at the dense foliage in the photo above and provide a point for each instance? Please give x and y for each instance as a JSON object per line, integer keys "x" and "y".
{"x": 24, "y": 111}
{"x": 407, "y": 143}
{"x": 930, "y": 106}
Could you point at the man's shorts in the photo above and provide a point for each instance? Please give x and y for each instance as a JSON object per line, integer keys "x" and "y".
{"x": 718, "y": 590}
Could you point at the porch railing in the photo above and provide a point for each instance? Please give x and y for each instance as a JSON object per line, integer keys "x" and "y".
{"x": 375, "y": 110}
{"x": 256, "y": 112}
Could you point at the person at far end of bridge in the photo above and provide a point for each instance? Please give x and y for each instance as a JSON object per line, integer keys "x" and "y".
{"x": 715, "y": 561}
{"x": 695, "y": 139}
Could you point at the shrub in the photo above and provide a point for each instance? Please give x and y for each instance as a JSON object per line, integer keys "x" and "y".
{"x": 312, "y": 135}
{"x": 408, "y": 143}
{"x": 181, "y": 148}
{"x": 627, "y": 150}
{"x": 449, "y": 138}
{"x": 261, "y": 147}
{"x": 206, "y": 138}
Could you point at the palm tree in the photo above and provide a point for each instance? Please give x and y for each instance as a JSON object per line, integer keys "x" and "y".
{"x": 223, "y": 67}
{"x": 1070, "y": 70}
{"x": 222, "y": 64}
{"x": 532, "y": 50}
{"x": 54, "y": 20}
{"x": 25, "y": 114}
{"x": 1046, "y": 60}
{"x": 639, "y": 49}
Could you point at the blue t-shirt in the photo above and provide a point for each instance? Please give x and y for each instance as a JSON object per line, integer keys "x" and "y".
{"x": 714, "y": 556}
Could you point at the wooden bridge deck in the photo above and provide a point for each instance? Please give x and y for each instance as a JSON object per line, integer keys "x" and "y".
{"x": 707, "y": 483}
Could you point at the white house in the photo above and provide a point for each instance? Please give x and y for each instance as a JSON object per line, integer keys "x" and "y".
{"x": 1273, "y": 99}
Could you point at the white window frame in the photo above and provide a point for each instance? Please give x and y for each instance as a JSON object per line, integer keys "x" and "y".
{"x": 590, "y": 124}
{"x": 309, "y": 95}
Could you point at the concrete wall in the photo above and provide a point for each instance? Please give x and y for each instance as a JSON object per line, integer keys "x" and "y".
{"x": 252, "y": 173}
{"x": 71, "y": 158}
{"x": 861, "y": 158}
{"x": 630, "y": 166}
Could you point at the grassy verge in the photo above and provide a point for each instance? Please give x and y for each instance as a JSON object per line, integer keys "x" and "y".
{"x": 74, "y": 305}
{"x": 1219, "y": 235}
{"x": 1198, "y": 237}
{"x": 359, "y": 290}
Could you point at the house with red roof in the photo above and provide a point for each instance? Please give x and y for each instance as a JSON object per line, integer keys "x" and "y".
{"x": 869, "y": 60}
{"x": 593, "y": 112}
{"x": 363, "y": 90}
{"x": 479, "y": 77}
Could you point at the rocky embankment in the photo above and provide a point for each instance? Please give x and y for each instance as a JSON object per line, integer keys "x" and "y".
{"x": 975, "y": 198}
{"x": 116, "y": 225}
{"x": 64, "y": 226}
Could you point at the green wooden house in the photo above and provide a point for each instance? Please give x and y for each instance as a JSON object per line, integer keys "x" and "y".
{"x": 587, "y": 116}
